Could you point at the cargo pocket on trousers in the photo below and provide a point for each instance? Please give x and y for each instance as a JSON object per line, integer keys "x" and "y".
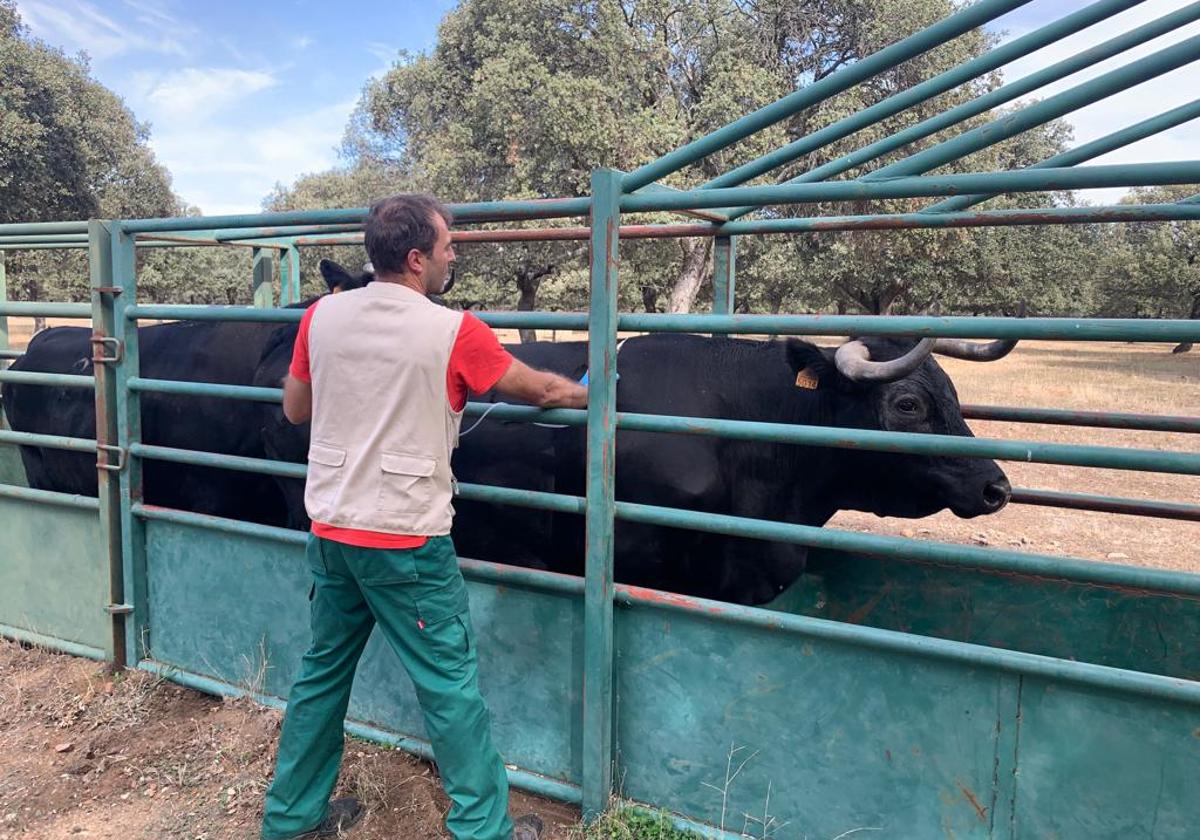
{"x": 325, "y": 471}
{"x": 444, "y": 619}
{"x": 406, "y": 482}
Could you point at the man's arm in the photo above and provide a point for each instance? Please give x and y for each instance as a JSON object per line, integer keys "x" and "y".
{"x": 541, "y": 388}
{"x": 297, "y": 400}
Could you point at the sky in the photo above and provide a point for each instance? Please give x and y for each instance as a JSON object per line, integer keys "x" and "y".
{"x": 242, "y": 96}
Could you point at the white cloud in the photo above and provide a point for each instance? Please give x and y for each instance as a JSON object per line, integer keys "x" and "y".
{"x": 303, "y": 42}
{"x": 82, "y": 25}
{"x": 1123, "y": 109}
{"x": 195, "y": 93}
{"x": 230, "y": 170}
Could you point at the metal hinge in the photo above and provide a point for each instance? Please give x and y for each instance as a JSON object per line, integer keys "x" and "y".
{"x": 99, "y": 341}
{"x": 119, "y": 609}
{"x": 119, "y": 465}
{"x": 108, "y": 290}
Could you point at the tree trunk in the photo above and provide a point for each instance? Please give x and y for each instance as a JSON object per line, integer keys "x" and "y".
{"x": 696, "y": 255}
{"x": 1186, "y": 346}
{"x": 528, "y": 282}
{"x": 650, "y": 298}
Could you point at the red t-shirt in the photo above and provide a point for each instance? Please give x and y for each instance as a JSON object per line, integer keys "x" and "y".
{"x": 477, "y": 361}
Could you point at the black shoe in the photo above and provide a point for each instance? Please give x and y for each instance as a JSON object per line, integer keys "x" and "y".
{"x": 343, "y": 814}
{"x": 528, "y": 827}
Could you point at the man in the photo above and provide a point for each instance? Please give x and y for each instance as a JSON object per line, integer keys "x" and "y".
{"x": 384, "y": 375}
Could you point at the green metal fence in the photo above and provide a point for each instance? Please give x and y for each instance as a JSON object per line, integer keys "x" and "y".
{"x": 861, "y": 699}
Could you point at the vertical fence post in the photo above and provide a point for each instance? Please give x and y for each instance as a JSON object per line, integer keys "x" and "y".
{"x": 724, "y": 274}
{"x": 597, "y": 771}
{"x": 100, "y": 269}
{"x": 119, "y": 420}
{"x": 3, "y": 298}
{"x": 264, "y": 277}
{"x": 289, "y": 267}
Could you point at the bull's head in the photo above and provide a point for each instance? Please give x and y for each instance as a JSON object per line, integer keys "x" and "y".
{"x": 896, "y": 386}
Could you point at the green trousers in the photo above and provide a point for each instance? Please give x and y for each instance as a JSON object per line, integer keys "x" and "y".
{"x": 419, "y": 599}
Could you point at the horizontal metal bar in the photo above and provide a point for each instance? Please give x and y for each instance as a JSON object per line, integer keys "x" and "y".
{"x": 996, "y": 98}
{"x": 205, "y": 389}
{"x": 1088, "y": 151}
{"x": 1064, "y": 329}
{"x": 923, "y": 647}
{"x": 47, "y": 441}
{"x": 1067, "y": 329}
{"x": 219, "y": 523}
{"x": 997, "y": 57}
{"x": 41, "y": 640}
{"x": 38, "y": 228}
{"x": 47, "y": 309}
{"x": 1095, "y": 419}
{"x": 262, "y": 466}
{"x": 11, "y": 353}
{"x": 472, "y": 569}
{"x": 532, "y": 782}
{"x": 197, "y": 312}
{"x": 1024, "y": 180}
{"x": 1110, "y": 457}
{"x": 846, "y": 77}
{"x": 58, "y": 380}
{"x": 948, "y": 554}
{"x": 547, "y": 208}
{"x": 968, "y": 219}
{"x": 45, "y": 246}
{"x": 49, "y": 497}
{"x": 885, "y": 221}
{"x": 1106, "y": 504}
{"x": 1039, "y": 113}
{"x": 39, "y": 238}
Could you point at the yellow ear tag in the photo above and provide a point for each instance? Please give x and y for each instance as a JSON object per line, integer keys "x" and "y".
{"x": 806, "y": 380}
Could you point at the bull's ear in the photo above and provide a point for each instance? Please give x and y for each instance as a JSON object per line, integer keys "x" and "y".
{"x": 336, "y": 277}
{"x": 812, "y": 366}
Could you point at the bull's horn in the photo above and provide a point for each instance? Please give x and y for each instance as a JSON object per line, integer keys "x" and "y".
{"x": 853, "y": 360}
{"x": 986, "y": 351}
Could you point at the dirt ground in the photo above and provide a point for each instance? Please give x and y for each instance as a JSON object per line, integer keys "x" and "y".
{"x": 86, "y": 754}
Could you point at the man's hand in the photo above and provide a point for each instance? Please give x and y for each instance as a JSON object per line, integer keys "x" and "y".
{"x": 541, "y": 388}
{"x": 297, "y": 400}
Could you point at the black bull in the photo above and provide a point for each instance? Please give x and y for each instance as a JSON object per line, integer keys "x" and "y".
{"x": 681, "y": 375}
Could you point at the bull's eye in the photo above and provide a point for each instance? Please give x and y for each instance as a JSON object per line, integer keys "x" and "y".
{"x": 908, "y": 405}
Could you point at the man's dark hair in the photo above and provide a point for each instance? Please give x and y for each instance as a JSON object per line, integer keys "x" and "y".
{"x": 399, "y": 223}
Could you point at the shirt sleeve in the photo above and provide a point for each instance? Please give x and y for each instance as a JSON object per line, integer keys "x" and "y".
{"x": 299, "y": 368}
{"x": 477, "y": 361}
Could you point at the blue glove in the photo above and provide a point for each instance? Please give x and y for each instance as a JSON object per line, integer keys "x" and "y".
{"x": 583, "y": 380}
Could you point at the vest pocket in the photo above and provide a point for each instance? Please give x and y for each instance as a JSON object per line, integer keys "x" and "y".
{"x": 406, "y": 482}
{"x": 324, "y": 471}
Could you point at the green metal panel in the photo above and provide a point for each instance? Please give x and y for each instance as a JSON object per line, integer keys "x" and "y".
{"x": 1114, "y": 625}
{"x": 225, "y": 605}
{"x": 1093, "y": 765}
{"x": 55, "y": 572}
{"x": 838, "y": 737}
{"x": 264, "y": 278}
{"x": 601, "y": 483}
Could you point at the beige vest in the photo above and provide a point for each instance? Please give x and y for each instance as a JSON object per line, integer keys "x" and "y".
{"x": 382, "y": 426}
